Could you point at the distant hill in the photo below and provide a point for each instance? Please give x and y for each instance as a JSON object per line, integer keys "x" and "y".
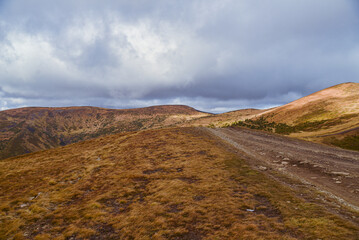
{"x": 26, "y": 130}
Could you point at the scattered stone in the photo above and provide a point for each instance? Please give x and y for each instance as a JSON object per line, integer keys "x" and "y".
{"x": 286, "y": 159}
{"x": 285, "y": 163}
{"x": 262, "y": 153}
{"x": 276, "y": 161}
{"x": 262, "y": 168}
{"x": 23, "y": 205}
{"x": 98, "y": 159}
{"x": 338, "y": 182}
{"x": 250, "y": 210}
{"x": 294, "y": 165}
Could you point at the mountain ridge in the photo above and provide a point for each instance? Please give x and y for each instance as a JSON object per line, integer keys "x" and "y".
{"x": 25, "y": 130}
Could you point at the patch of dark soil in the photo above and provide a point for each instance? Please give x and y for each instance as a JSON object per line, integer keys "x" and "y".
{"x": 175, "y": 208}
{"x": 38, "y": 227}
{"x": 202, "y": 152}
{"x": 188, "y": 179}
{"x": 105, "y": 231}
{"x": 266, "y": 208}
{"x": 191, "y": 234}
{"x": 118, "y": 207}
{"x": 153, "y": 171}
{"x": 198, "y": 197}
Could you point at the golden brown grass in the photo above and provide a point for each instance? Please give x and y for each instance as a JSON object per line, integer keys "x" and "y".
{"x": 177, "y": 183}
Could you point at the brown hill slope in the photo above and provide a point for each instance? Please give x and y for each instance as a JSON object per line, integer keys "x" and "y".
{"x": 331, "y": 103}
{"x": 179, "y": 183}
{"x": 330, "y": 116}
{"x": 27, "y": 130}
{"x": 221, "y": 119}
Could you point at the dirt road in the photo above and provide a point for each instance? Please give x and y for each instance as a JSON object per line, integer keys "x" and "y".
{"x": 331, "y": 170}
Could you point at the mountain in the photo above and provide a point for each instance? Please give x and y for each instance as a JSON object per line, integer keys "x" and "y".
{"x": 329, "y": 116}
{"x": 26, "y": 130}
{"x": 340, "y": 101}
{"x": 173, "y": 183}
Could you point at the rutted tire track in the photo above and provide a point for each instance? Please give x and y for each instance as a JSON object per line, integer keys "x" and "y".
{"x": 332, "y": 170}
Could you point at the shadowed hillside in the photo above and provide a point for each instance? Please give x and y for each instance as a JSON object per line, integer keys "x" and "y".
{"x": 179, "y": 183}
{"x": 27, "y": 130}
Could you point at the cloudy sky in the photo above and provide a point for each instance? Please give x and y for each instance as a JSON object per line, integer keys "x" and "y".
{"x": 214, "y": 55}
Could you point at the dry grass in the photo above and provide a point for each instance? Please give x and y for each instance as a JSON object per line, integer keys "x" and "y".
{"x": 174, "y": 183}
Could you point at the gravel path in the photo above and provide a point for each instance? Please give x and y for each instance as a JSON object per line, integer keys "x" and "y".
{"x": 332, "y": 170}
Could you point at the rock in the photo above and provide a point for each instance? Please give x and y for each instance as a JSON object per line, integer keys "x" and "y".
{"x": 262, "y": 168}
{"x": 286, "y": 159}
{"x": 285, "y": 163}
{"x": 250, "y": 210}
{"x": 23, "y": 205}
{"x": 98, "y": 159}
{"x": 340, "y": 173}
{"x": 338, "y": 182}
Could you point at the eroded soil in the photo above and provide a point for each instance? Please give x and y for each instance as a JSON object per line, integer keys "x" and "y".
{"x": 331, "y": 170}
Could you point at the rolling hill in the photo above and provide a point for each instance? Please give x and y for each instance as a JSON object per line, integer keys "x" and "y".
{"x": 27, "y": 130}
{"x": 330, "y": 116}
{"x": 175, "y": 183}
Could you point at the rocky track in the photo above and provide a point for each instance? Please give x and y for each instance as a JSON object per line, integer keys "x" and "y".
{"x": 331, "y": 170}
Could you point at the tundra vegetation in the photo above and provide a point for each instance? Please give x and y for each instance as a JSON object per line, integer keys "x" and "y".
{"x": 175, "y": 183}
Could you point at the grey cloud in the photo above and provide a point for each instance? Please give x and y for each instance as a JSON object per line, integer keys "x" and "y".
{"x": 246, "y": 53}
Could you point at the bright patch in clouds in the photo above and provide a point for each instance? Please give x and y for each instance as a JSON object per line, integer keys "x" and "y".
{"x": 213, "y": 55}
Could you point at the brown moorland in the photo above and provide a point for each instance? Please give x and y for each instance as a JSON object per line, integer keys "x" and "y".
{"x": 176, "y": 183}
{"x": 26, "y": 130}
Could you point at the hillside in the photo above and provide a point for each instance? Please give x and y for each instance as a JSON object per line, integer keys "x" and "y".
{"x": 330, "y": 116}
{"x": 219, "y": 120}
{"x": 177, "y": 183}
{"x": 27, "y": 130}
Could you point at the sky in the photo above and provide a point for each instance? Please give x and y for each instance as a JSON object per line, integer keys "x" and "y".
{"x": 214, "y": 55}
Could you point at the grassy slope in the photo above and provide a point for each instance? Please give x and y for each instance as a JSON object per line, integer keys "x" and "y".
{"x": 174, "y": 183}
{"x": 332, "y": 111}
{"x": 31, "y": 129}
{"x": 219, "y": 120}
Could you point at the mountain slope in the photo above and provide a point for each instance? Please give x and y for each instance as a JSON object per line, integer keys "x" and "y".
{"x": 178, "y": 183}
{"x": 27, "y": 130}
{"x": 330, "y": 116}
{"x": 337, "y": 102}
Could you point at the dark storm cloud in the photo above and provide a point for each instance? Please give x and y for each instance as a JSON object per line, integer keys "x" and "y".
{"x": 214, "y": 55}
